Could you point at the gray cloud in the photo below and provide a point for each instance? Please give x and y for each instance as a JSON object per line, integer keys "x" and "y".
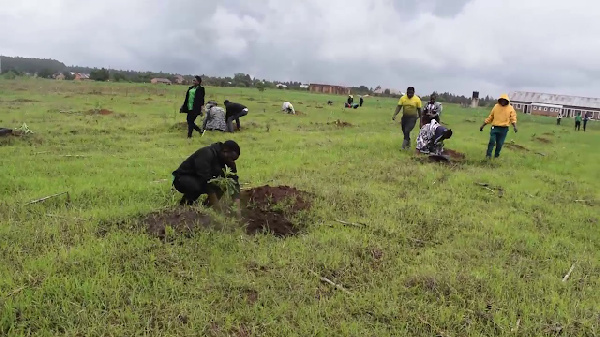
{"x": 445, "y": 45}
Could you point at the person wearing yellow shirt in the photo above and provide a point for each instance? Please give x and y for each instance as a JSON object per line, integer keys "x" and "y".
{"x": 411, "y": 104}
{"x": 502, "y": 116}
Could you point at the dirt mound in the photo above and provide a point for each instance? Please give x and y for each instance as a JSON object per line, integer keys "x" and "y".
{"x": 103, "y": 112}
{"x": 454, "y": 155}
{"x": 24, "y": 100}
{"x": 268, "y": 209}
{"x": 181, "y": 220}
{"x": 264, "y": 209}
{"x": 299, "y": 113}
{"x": 340, "y": 123}
{"x": 517, "y": 147}
{"x": 544, "y": 140}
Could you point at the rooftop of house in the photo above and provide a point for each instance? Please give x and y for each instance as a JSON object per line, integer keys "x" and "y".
{"x": 535, "y": 97}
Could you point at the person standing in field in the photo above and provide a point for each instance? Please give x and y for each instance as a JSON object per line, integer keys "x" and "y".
{"x": 586, "y": 118}
{"x": 234, "y": 111}
{"x": 411, "y": 106}
{"x": 350, "y": 100}
{"x": 558, "y": 118}
{"x": 502, "y": 116}
{"x": 192, "y": 105}
{"x": 193, "y": 175}
{"x": 433, "y": 110}
{"x": 578, "y": 122}
{"x": 360, "y": 100}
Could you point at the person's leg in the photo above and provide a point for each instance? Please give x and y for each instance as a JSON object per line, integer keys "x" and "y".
{"x": 584, "y": 125}
{"x": 191, "y": 121}
{"x": 411, "y": 122}
{"x": 403, "y": 126}
{"x": 500, "y": 138}
{"x": 491, "y": 144}
{"x": 191, "y": 187}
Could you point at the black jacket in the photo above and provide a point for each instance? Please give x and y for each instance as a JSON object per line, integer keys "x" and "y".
{"x": 232, "y": 109}
{"x": 205, "y": 164}
{"x": 198, "y": 101}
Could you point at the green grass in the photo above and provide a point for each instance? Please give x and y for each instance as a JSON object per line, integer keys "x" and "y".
{"x": 440, "y": 255}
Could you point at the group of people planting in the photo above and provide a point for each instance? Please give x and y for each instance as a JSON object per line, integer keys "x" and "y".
{"x": 217, "y": 118}
{"x": 432, "y": 134}
{"x": 195, "y": 176}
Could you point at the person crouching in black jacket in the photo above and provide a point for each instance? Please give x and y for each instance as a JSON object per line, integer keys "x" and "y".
{"x": 233, "y": 111}
{"x": 193, "y": 175}
{"x": 194, "y": 101}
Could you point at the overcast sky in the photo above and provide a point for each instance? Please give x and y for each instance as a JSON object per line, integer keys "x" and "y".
{"x": 493, "y": 46}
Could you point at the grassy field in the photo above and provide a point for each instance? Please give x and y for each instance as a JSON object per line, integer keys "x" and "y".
{"x": 439, "y": 255}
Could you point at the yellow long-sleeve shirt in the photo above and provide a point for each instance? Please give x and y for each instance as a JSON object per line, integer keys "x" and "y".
{"x": 502, "y": 115}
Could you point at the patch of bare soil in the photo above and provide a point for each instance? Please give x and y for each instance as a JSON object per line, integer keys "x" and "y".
{"x": 340, "y": 123}
{"x": 103, "y": 112}
{"x": 266, "y": 209}
{"x": 182, "y": 220}
{"x": 517, "y": 147}
{"x": 299, "y": 113}
{"x": 544, "y": 140}
{"x": 24, "y": 100}
{"x": 454, "y": 155}
{"x": 269, "y": 209}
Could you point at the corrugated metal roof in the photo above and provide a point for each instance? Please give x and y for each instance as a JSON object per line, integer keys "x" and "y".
{"x": 526, "y": 96}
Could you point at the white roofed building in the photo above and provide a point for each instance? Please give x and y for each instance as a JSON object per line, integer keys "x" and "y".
{"x": 552, "y": 105}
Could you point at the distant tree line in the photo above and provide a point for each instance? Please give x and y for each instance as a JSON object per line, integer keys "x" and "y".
{"x": 47, "y": 68}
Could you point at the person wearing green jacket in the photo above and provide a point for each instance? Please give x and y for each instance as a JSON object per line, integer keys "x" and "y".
{"x": 192, "y": 105}
{"x": 578, "y": 122}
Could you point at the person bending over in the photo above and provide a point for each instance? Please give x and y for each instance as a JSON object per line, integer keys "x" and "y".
{"x": 193, "y": 175}
{"x": 233, "y": 111}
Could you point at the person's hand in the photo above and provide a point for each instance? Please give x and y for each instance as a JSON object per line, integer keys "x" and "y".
{"x": 394, "y": 118}
{"x": 515, "y": 128}
{"x": 481, "y": 128}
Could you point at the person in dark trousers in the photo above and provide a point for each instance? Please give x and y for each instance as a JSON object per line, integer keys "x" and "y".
{"x": 502, "y": 116}
{"x": 586, "y": 118}
{"x": 233, "y": 111}
{"x": 558, "y": 118}
{"x": 193, "y": 175}
{"x": 578, "y": 122}
{"x": 411, "y": 104}
{"x": 350, "y": 100}
{"x": 361, "y": 101}
{"x": 192, "y": 105}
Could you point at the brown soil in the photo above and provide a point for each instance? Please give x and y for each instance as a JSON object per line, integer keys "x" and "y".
{"x": 103, "y": 112}
{"x": 340, "y": 123}
{"x": 268, "y": 209}
{"x": 517, "y": 147}
{"x": 24, "y": 100}
{"x": 454, "y": 155}
{"x": 299, "y": 113}
{"x": 149, "y": 99}
{"x": 182, "y": 220}
{"x": 265, "y": 209}
{"x": 544, "y": 140}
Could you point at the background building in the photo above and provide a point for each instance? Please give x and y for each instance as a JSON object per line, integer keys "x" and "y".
{"x": 551, "y": 105}
{"x": 329, "y": 89}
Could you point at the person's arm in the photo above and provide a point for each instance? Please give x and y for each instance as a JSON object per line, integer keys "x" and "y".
{"x": 185, "y": 102}
{"x": 398, "y": 108}
{"x": 513, "y": 119}
{"x": 237, "y": 121}
{"x": 488, "y": 120}
{"x": 199, "y": 100}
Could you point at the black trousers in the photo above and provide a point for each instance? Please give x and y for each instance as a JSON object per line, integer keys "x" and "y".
{"x": 408, "y": 124}
{"x": 193, "y": 187}
{"x": 584, "y": 124}
{"x": 578, "y": 126}
{"x": 191, "y": 121}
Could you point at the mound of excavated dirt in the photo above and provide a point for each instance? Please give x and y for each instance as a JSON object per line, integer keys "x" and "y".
{"x": 264, "y": 209}
{"x": 340, "y": 123}
{"x": 103, "y": 112}
{"x": 544, "y": 140}
{"x": 517, "y": 147}
{"x": 268, "y": 209}
{"x": 454, "y": 155}
{"x": 182, "y": 220}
